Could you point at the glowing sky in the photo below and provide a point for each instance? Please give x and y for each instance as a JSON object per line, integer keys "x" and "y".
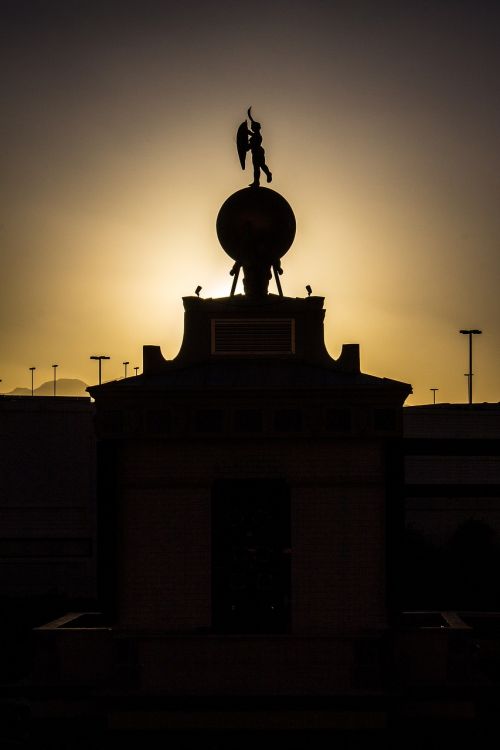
{"x": 381, "y": 124}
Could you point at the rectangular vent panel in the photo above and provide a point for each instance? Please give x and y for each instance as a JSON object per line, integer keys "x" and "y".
{"x": 253, "y": 336}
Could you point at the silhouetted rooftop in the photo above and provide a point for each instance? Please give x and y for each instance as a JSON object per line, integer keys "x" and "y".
{"x": 248, "y": 373}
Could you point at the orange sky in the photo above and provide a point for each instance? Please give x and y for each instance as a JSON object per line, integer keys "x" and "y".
{"x": 381, "y": 126}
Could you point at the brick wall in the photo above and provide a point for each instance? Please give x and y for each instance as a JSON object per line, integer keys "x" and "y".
{"x": 338, "y": 529}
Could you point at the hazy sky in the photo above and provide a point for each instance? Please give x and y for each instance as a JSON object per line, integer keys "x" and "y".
{"x": 381, "y": 123}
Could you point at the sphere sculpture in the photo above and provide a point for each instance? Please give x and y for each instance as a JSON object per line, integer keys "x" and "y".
{"x": 256, "y": 227}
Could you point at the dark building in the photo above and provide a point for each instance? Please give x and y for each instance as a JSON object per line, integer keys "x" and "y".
{"x": 47, "y": 530}
{"x": 247, "y": 490}
{"x": 248, "y": 513}
{"x": 452, "y": 507}
{"x": 248, "y": 481}
{"x": 47, "y": 491}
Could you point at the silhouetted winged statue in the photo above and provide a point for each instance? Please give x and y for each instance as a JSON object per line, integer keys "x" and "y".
{"x": 251, "y": 140}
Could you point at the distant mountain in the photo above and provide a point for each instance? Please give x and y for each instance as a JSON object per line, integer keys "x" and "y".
{"x": 64, "y": 387}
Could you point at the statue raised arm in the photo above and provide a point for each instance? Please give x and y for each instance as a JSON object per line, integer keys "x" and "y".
{"x": 250, "y": 139}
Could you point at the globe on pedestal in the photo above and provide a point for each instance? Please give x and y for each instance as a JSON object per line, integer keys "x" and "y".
{"x": 256, "y": 227}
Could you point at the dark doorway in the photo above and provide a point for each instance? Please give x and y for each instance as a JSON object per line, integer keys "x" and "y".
{"x": 251, "y": 556}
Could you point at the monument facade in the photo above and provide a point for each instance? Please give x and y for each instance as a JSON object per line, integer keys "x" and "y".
{"x": 249, "y": 487}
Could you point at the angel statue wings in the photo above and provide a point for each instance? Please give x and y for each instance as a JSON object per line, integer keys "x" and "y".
{"x": 250, "y": 139}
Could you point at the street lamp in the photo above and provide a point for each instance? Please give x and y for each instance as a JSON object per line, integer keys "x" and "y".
{"x": 470, "y": 333}
{"x": 99, "y": 358}
{"x": 55, "y": 366}
{"x": 136, "y": 368}
{"x": 32, "y": 376}
{"x": 125, "y": 366}
{"x": 434, "y": 393}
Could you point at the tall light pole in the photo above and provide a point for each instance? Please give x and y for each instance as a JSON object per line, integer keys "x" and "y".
{"x": 125, "y": 366}
{"x": 32, "y": 379}
{"x": 136, "y": 368}
{"x": 55, "y": 367}
{"x": 470, "y": 333}
{"x": 434, "y": 393}
{"x": 99, "y": 358}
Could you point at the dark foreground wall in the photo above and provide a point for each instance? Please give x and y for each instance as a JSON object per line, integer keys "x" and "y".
{"x": 47, "y": 498}
{"x": 452, "y": 506}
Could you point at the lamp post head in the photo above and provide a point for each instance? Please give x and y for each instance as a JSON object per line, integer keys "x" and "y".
{"x": 471, "y": 330}
{"x": 99, "y": 357}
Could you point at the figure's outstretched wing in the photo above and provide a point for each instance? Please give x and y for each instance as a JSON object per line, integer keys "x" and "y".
{"x": 242, "y": 143}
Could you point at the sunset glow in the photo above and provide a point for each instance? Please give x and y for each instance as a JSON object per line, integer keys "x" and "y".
{"x": 380, "y": 123}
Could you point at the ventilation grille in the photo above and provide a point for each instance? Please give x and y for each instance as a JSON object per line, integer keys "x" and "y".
{"x": 253, "y": 336}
